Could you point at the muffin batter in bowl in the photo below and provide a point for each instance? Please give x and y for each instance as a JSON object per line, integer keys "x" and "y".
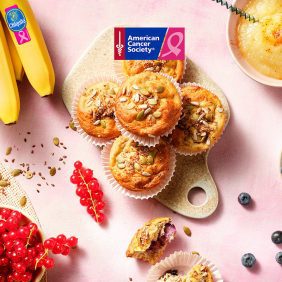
{"x": 261, "y": 43}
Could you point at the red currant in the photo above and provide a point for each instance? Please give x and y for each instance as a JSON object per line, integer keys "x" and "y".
{"x": 4, "y": 261}
{"x": 16, "y": 214}
{"x": 100, "y": 205}
{"x": 1, "y": 250}
{"x": 57, "y": 249}
{"x": 93, "y": 185}
{"x": 88, "y": 173}
{"x": 2, "y": 226}
{"x": 9, "y": 245}
{"x": 98, "y": 195}
{"x": 23, "y": 232}
{"x": 78, "y": 164}
{"x": 26, "y": 277}
{"x": 65, "y": 250}
{"x": 61, "y": 239}
{"x": 81, "y": 192}
{"x": 39, "y": 247}
{"x": 74, "y": 179}
{"x": 12, "y": 223}
{"x": 90, "y": 210}
{"x": 49, "y": 262}
{"x": 100, "y": 217}
{"x": 19, "y": 267}
{"x": 20, "y": 251}
{"x": 72, "y": 241}
{"x": 5, "y": 213}
{"x": 32, "y": 228}
{"x": 76, "y": 172}
{"x": 84, "y": 201}
{"x": 49, "y": 243}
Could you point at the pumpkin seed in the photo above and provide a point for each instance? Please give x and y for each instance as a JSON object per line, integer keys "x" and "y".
{"x": 23, "y": 201}
{"x": 56, "y": 141}
{"x": 143, "y": 160}
{"x": 140, "y": 115}
{"x": 121, "y": 165}
{"x": 195, "y": 253}
{"x": 8, "y": 151}
{"x": 16, "y": 172}
{"x": 130, "y": 106}
{"x": 160, "y": 89}
{"x": 52, "y": 171}
{"x": 72, "y": 126}
{"x": 137, "y": 166}
{"x": 136, "y": 87}
{"x": 152, "y": 101}
{"x": 4, "y": 183}
{"x": 123, "y": 99}
{"x": 153, "y": 154}
{"x": 97, "y": 122}
{"x": 144, "y": 173}
{"x": 187, "y": 231}
{"x": 157, "y": 114}
{"x": 104, "y": 123}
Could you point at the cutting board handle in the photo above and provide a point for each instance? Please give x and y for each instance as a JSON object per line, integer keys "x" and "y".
{"x": 191, "y": 172}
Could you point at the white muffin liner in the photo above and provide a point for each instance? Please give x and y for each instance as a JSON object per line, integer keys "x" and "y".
{"x": 142, "y": 195}
{"x": 93, "y": 140}
{"x": 118, "y": 70}
{"x": 182, "y": 151}
{"x": 151, "y": 141}
{"x": 183, "y": 263}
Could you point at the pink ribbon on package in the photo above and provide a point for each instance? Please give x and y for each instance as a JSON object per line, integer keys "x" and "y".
{"x": 174, "y": 44}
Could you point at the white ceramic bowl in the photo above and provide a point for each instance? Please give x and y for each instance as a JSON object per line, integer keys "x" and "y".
{"x": 236, "y": 54}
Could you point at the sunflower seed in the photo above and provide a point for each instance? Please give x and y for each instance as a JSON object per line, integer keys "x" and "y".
{"x": 149, "y": 69}
{"x": 140, "y": 115}
{"x": 121, "y": 165}
{"x": 220, "y": 110}
{"x": 23, "y": 201}
{"x": 143, "y": 106}
{"x": 97, "y": 122}
{"x": 56, "y": 141}
{"x": 137, "y": 166}
{"x": 4, "y": 183}
{"x": 144, "y": 173}
{"x": 8, "y": 151}
{"x": 160, "y": 89}
{"x": 147, "y": 111}
{"x": 195, "y": 103}
{"x": 136, "y": 87}
{"x": 16, "y": 172}
{"x": 136, "y": 97}
{"x": 187, "y": 231}
{"x": 157, "y": 114}
{"x": 123, "y": 99}
{"x": 152, "y": 101}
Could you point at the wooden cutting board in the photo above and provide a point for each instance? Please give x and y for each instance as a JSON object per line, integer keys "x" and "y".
{"x": 191, "y": 171}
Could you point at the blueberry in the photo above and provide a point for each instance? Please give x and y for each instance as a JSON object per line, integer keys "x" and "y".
{"x": 244, "y": 198}
{"x": 278, "y": 257}
{"x": 248, "y": 260}
{"x": 276, "y": 237}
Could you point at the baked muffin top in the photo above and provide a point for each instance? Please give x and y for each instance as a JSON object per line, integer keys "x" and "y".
{"x": 96, "y": 110}
{"x": 202, "y": 122}
{"x": 201, "y": 273}
{"x": 169, "y": 277}
{"x": 139, "y": 168}
{"x": 148, "y": 104}
{"x": 170, "y": 67}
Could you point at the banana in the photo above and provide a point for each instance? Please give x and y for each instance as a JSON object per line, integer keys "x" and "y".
{"x": 9, "y": 95}
{"x": 17, "y": 64}
{"x": 30, "y": 44}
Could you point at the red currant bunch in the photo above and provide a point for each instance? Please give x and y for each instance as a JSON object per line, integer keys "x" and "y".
{"x": 89, "y": 191}
{"x": 22, "y": 253}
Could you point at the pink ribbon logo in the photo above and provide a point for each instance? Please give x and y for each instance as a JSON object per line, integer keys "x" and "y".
{"x": 174, "y": 49}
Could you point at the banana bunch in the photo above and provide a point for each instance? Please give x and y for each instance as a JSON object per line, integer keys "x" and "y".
{"x": 22, "y": 50}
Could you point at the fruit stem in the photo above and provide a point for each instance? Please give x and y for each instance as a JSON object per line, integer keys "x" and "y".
{"x": 29, "y": 237}
{"x": 38, "y": 260}
{"x": 89, "y": 192}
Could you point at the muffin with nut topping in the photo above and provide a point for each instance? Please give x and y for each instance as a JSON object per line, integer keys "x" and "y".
{"x": 148, "y": 105}
{"x": 174, "y": 68}
{"x": 95, "y": 111}
{"x": 136, "y": 167}
{"x": 202, "y": 122}
{"x": 200, "y": 272}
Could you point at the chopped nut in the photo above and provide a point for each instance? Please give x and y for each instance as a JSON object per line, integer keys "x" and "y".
{"x": 52, "y": 171}
{"x": 220, "y": 110}
{"x": 147, "y": 111}
{"x": 195, "y": 103}
{"x": 152, "y": 101}
{"x": 144, "y": 92}
{"x": 130, "y": 106}
{"x": 144, "y": 173}
{"x": 135, "y": 87}
{"x": 137, "y": 166}
{"x": 143, "y": 160}
{"x": 97, "y": 122}
{"x": 150, "y": 159}
{"x": 143, "y": 106}
{"x": 123, "y": 99}
{"x": 136, "y": 97}
{"x": 121, "y": 165}
{"x": 157, "y": 114}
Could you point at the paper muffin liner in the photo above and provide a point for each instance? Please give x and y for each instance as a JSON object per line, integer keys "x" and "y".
{"x": 99, "y": 78}
{"x": 151, "y": 141}
{"x": 182, "y": 151}
{"x": 118, "y": 70}
{"x": 183, "y": 263}
{"x": 142, "y": 195}
{"x": 10, "y": 198}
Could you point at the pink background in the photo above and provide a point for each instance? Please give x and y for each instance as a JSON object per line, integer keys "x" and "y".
{"x": 246, "y": 159}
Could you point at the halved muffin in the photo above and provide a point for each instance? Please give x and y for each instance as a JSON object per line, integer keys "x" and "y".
{"x": 149, "y": 242}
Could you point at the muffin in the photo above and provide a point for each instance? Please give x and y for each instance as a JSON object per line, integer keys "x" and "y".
{"x": 95, "y": 111}
{"x": 170, "y": 67}
{"x": 202, "y": 122}
{"x": 139, "y": 168}
{"x": 172, "y": 276}
{"x": 201, "y": 273}
{"x": 148, "y": 105}
{"x": 149, "y": 242}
